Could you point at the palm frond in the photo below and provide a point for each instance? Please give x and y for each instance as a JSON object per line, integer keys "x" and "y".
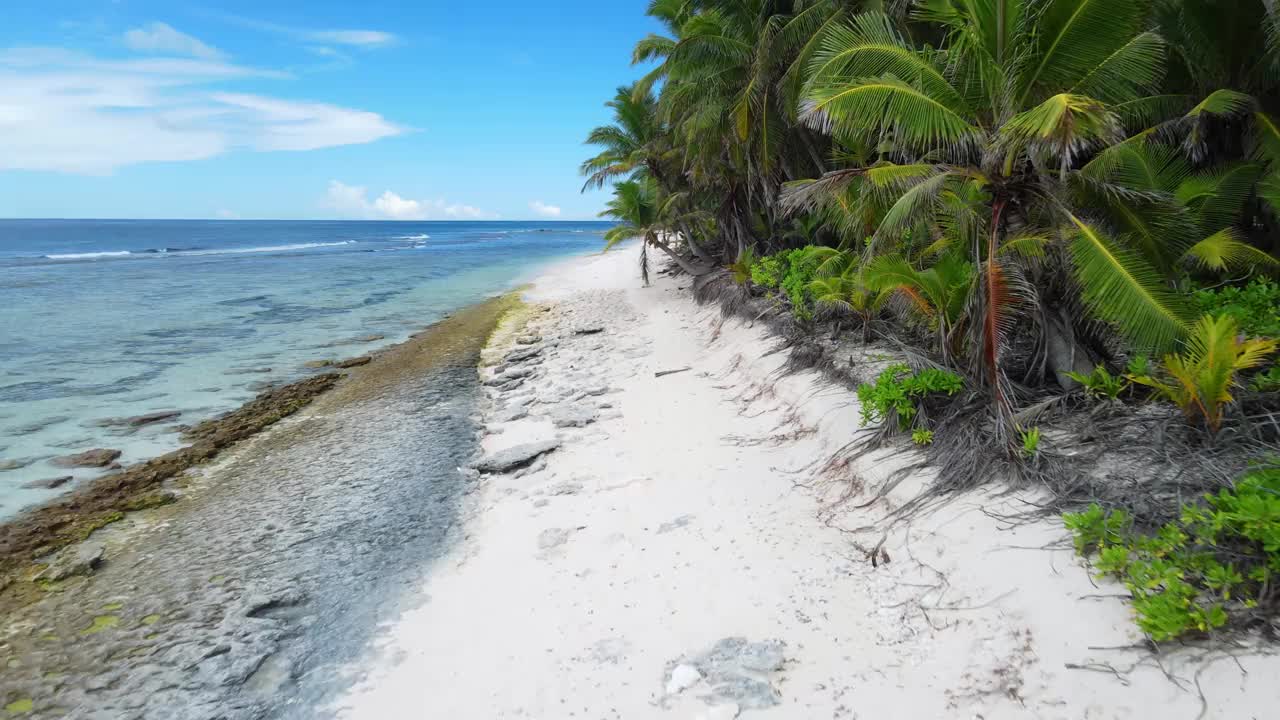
{"x": 1123, "y": 289}
{"x": 1073, "y": 38}
{"x": 887, "y": 107}
{"x": 1225, "y": 250}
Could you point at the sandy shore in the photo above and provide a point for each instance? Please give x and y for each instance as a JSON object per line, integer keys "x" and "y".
{"x": 676, "y": 556}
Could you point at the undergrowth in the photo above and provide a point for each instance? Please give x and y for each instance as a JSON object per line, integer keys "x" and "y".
{"x": 898, "y": 395}
{"x": 1215, "y": 565}
{"x": 1255, "y": 307}
{"x": 789, "y": 272}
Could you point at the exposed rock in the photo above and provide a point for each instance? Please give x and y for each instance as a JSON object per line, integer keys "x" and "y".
{"x": 738, "y": 672}
{"x": 746, "y": 692}
{"x": 576, "y": 417}
{"x": 316, "y": 364}
{"x": 514, "y": 457}
{"x": 509, "y": 376}
{"x": 511, "y": 414}
{"x": 78, "y": 560}
{"x": 98, "y": 457}
{"x": 565, "y": 488}
{"x": 553, "y": 537}
{"x": 596, "y": 390}
{"x": 517, "y": 372}
{"x": 370, "y": 338}
{"x": 523, "y": 353}
{"x": 536, "y": 466}
{"x": 155, "y": 417}
{"x": 353, "y": 362}
{"x": 682, "y": 678}
{"x": 528, "y": 339}
{"x": 676, "y": 524}
{"x": 15, "y": 463}
{"x": 588, "y": 330}
{"x": 50, "y": 483}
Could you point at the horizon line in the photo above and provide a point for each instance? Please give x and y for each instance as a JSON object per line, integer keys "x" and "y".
{"x": 346, "y": 220}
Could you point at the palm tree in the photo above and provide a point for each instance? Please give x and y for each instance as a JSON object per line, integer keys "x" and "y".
{"x": 636, "y": 207}
{"x": 980, "y": 148}
{"x": 630, "y": 143}
{"x": 730, "y": 71}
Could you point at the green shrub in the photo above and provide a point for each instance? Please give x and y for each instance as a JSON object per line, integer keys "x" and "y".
{"x": 789, "y": 271}
{"x": 922, "y": 437}
{"x": 1192, "y": 574}
{"x": 1255, "y": 307}
{"x": 1102, "y": 384}
{"x": 898, "y": 392}
{"x": 768, "y": 271}
{"x": 1030, "y": 442}
{"x": 1268, "y": 381}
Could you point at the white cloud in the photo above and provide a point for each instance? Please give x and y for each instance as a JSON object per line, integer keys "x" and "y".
{"x": 545, "y": 210}
{"x": 161, "y": 38}
{"x": 353, "y": 201}
{"x": 358, "y": 38}
{"x": 68, "y": 112}
{"x": 350, "y": 37}
{"x": 395, "y": 207}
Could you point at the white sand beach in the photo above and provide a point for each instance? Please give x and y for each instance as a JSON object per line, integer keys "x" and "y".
{"x": 676, "y": 556}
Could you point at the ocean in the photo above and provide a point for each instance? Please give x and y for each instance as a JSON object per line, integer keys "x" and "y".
{"x": 103, "y": 320}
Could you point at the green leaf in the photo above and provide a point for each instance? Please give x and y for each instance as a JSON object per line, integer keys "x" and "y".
{"x": 1073, "y": 38}
{"x": 887, "y": 107}
{"x": 1224, "y": 250}
{"x": 1122, "y": 288}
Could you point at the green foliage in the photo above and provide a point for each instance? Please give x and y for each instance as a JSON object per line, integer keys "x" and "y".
{"x": 768, "y": 271}
{"x": 1139, "y": 365}
{"x": 1268, "y": 381}
{"x": 1200, "y": 379}
{"x": 922, "y": 437}
{"x": 1255, "y": 307}
{"x": 1030, "y": 441}
{"x": 898, "y": 393}
{"x": 791, "y": 272}
{"x": 1101, "y": 384}
{"x": 744, "y": 268}
{"x": 802, "y": 265}
{"x": 1193, "y": 574}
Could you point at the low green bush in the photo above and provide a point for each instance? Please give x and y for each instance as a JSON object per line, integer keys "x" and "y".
{"x": 1216, "y": 563}
{"x": 898, "y": 393}
{"x": 790, "y": 272}
{"x": 768, "y": 271}
{"x": 1255, "y": 307}
{"x": 1100, "y": 383}
{"x": 1268, "y": 381}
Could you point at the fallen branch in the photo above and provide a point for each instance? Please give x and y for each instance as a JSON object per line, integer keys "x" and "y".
{"x": 661, "y": 373}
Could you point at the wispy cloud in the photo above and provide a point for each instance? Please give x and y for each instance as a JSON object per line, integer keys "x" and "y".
{"x": 349, "y": 37}
{"x": 159, "y": 37}
{"x": 545, "y": 210}
{"x": 357, "y": 38}
{"x": 69, "y": 112}
{"x": 353, "y": 201}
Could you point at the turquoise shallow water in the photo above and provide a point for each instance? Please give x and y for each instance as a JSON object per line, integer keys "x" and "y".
{"x": 112, "y": 319}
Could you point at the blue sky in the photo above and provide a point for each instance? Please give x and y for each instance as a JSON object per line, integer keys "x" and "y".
{"x": 317, "y": 109}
